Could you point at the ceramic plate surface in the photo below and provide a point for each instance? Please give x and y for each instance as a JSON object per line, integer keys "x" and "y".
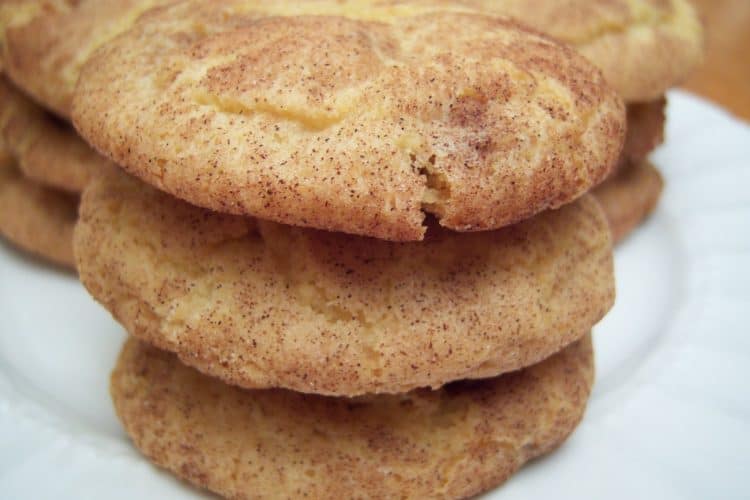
{"x": 669, "y": 416}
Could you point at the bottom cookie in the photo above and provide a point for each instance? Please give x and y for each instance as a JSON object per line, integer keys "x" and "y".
{"x": 37, "y": 219}
{"x": 455, "y": 442}
{"x": 629, "y": 197}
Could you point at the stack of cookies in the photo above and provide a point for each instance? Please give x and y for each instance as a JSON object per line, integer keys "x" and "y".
{"x": 352, "y": 241}
{"x": 44, "y": 164}
{"x": 642, "y": 48}
{"x": 313, "y": 315}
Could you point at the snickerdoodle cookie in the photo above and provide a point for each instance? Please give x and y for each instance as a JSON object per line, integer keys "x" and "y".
{"x": 644, "y": 47}
{"x": 456, "y": 442}
{"x": 361, "y": 120}
{"x": 37, "y": 219}
{"x": 629, "y": 197}
{"x": 47, "y": 41}
{"x": 259, "y": 304}
{"x": 46, "y": 150}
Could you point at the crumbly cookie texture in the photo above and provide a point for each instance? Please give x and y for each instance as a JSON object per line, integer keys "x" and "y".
{"x": 452, "y": 443}
{"x": 629, "y": 197}
{"x": 260, "y": 304}
{"x": 46, "y": 150}
{"x": 359, "y": 123}
{"x": 37, "y": 219}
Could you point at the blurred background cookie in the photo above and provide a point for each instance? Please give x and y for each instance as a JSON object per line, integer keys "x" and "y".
{"x": 45, "y": 167}
{"x": 646, "y": 122}
{"x": 47, "y": 42}
{"x": 14, "y": 13}
{"x": 37, "y": 219}
{"x": 643, "y": 47}
{"x": 46, "y": 150}
{"x": 629, "y": 197}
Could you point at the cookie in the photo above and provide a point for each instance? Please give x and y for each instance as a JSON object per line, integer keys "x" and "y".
{"x": 646, "y": 122}
{"x": 15, "y": 13}
{"x": 629, "y": 197}
{"x": 261, "y": 305}
{"x": 643, "y": 47}
{"x": 6, "y": 158}
{"x": 359, "y": 123}
{"x": 46, "y": 150}
{"x": 452, "y": 443}
{"x": 44, "y": 52}
{"x": 36, "y": 219}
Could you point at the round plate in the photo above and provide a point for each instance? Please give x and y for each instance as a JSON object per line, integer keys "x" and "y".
{"x": 669, "y": 416}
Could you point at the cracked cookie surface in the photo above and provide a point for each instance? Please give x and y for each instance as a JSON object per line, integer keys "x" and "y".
{"x": 360, "y": 122}
{"x": 260, "y": 304}
{"x": 452, "y": 443}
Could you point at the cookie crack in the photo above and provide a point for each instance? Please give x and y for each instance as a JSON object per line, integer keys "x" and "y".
{"x": 437, "y": 189}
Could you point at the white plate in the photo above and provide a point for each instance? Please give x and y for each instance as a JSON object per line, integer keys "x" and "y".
{"x": 670, "y": 413}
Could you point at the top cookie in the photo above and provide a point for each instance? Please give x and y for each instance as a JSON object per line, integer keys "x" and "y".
{"x": 359, "y": 122}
